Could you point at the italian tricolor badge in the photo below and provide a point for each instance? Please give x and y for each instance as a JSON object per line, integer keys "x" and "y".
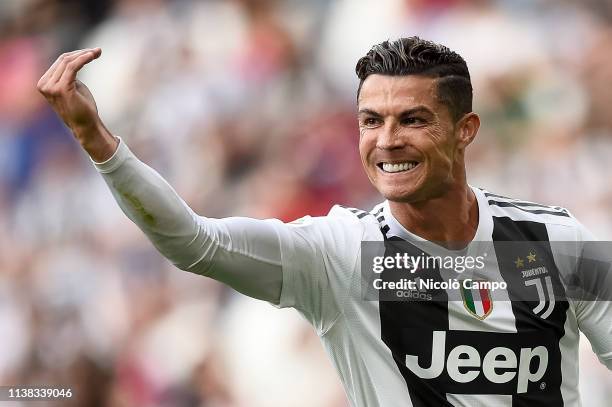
{"x": 477, "y": 301}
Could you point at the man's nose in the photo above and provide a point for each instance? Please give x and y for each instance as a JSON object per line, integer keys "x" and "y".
{"x": 389, "y": 138}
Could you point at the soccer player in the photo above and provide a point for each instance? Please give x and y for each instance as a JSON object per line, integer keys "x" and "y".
{"x": 415, "y": 121}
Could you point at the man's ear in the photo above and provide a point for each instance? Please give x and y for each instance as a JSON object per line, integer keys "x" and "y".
{"x": 466, "y": 129}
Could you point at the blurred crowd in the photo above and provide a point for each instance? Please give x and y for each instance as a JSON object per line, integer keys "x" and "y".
{"x": 247, "y": 107}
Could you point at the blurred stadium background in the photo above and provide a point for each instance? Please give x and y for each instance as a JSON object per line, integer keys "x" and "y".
{"x": 247, "y": 107}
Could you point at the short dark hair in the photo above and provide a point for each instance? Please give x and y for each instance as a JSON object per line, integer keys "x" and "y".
{"x": 414, "y": 56}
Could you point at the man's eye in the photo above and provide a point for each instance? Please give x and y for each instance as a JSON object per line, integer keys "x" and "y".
{"x": 412, "y": 120}
{"x": 370, "y": 121}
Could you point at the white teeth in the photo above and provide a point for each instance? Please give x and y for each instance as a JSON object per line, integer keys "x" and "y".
{"x": 387, "y": 167}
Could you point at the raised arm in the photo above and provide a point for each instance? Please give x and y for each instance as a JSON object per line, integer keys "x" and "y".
{"x": 243, "y": 253}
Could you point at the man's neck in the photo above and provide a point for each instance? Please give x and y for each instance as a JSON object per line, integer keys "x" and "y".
{"x": 450, "y": 220}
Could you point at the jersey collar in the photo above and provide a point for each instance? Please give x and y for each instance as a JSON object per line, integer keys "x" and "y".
{"x": 483, "y": 231}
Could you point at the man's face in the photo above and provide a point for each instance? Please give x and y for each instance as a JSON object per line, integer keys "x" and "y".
{"x": 407, "y": 138}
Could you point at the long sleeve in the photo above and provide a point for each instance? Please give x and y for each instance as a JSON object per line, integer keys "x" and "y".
{"x": 589, "y": 286}
{"x": 241, "y": 252}
{"x": 594, "y": 314}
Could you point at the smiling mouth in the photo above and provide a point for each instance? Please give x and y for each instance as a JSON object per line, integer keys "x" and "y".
{"x": 392, "y": 168}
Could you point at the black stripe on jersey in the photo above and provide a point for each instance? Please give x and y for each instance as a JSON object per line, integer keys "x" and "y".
{"x": 519, "y": 202}
{"x": 407, "y": 326}
{"x": 518, "y": 205}
{"x": 525, "y": 237}
{"x": 358, "y": 212}
{"x": 489, "y": 194}
{"x": 526, "y": 203}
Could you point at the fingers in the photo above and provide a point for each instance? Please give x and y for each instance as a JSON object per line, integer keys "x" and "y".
{"x": 61, "y": 67}
{"x": 48, "y": 83}
{"x": 75, "y": 64}
{"x": 53, "y": 67}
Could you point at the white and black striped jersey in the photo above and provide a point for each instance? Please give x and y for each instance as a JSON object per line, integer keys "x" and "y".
{"x": 483, "y": 349}
{"x": 504, "y": 351}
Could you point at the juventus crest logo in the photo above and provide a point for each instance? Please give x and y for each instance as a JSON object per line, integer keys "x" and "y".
{"x": 537, "y": 276}
{"x": 540, "y": 284}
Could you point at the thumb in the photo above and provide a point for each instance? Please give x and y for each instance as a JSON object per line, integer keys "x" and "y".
{"x": 84, "y": 91}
